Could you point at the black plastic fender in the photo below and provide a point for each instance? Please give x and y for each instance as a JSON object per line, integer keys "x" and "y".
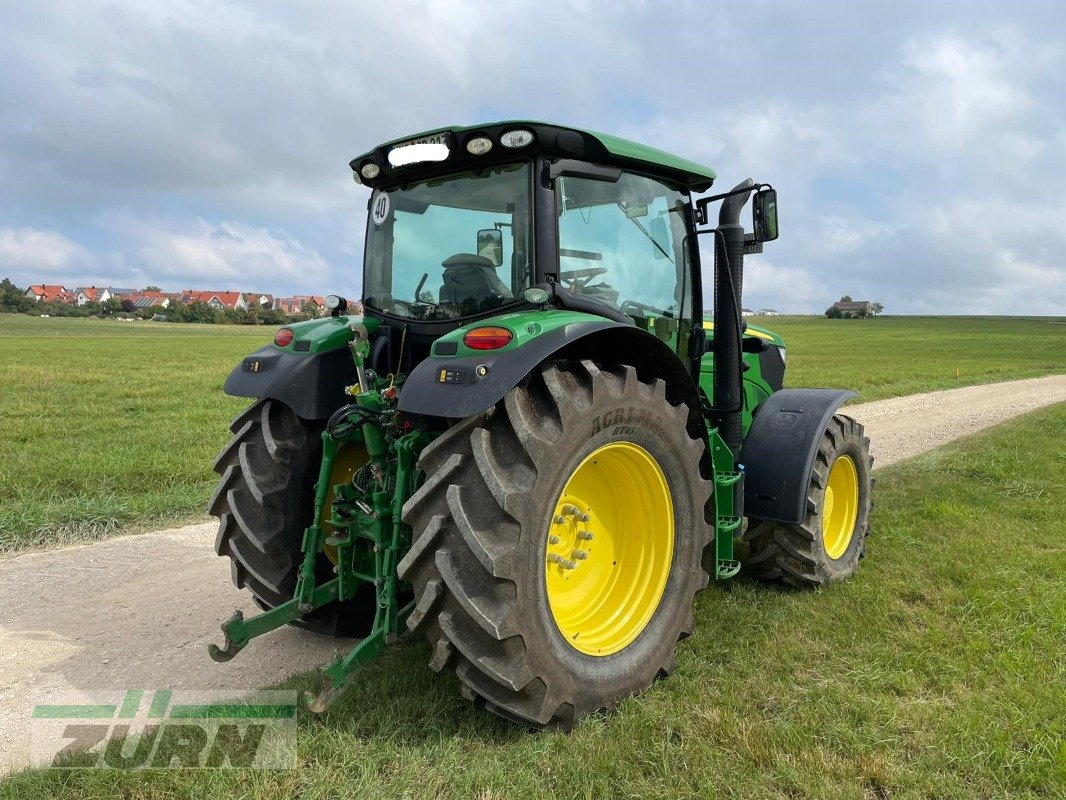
{"x": 311, "y": 384}
{"x": 778, "y": 452}
{"x": 461, "y": 387}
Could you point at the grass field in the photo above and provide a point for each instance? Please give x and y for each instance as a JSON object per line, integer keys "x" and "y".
{"x": 108, "y": 426}
{"x": 937, "y": 672}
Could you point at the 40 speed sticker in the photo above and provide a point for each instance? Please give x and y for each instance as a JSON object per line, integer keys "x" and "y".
{"x": 379, "y": 208}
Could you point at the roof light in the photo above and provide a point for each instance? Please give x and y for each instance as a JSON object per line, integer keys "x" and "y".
{"x": 519, "y": 137}
{"x": 479, "y": 145}
{"x": 335, "y": 301}
{"x": 370, "y": 170}
{"x": 284, "y": 337}
{"x": 491, "y": 338}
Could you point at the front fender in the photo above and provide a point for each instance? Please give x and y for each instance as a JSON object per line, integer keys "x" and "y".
{"x": 778, "y": 452}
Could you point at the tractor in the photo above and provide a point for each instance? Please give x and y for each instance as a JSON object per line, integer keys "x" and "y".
{"x": 533, "y": 446}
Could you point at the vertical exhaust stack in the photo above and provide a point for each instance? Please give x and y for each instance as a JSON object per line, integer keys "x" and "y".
{"x": 728, "y": 365}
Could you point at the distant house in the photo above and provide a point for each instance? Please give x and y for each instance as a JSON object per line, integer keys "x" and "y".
{"x": 148, "y": 299}
{"x": 116, "y": 291}
{"x": 296, "y": 303}
{"x": 747, "y": 312}
{"x": 768, "y": 312}
{"x": 230, "y": 300}
{"x": 90, "y": 294}
{"x": 854, "y": 308}
{"x": 261, "y": 300}
{"x": 45, "y": 293}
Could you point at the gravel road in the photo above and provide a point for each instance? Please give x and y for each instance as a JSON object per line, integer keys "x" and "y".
{"x": 138, "y": 611}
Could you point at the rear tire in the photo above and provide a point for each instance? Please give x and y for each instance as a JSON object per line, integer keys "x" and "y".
{"x": 804, "y": 554}
{"x": 264, "y": 502}
{"x": 481, "y": 521}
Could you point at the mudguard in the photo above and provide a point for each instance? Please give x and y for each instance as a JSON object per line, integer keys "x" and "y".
{"x": 459, "y": 387}
{"x": 778, "y": 452}
{"x": 311, "y": 384}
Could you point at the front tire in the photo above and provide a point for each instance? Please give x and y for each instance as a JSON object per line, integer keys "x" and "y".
{"x": 490, "y": 559}
{"x": 829, "y": 542}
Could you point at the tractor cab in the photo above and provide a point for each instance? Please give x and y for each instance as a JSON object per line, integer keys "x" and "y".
{"x": 463, "y": 223}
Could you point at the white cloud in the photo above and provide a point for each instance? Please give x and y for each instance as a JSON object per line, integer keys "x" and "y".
{"x": 39, "y": 253}
{"x": 224, "y": 255}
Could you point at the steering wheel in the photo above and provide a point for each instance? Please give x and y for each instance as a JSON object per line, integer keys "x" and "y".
{"x": 577, "y": 279}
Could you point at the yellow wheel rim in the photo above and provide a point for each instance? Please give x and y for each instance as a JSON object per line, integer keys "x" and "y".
{"x": 840, "y": 508}
{"x": 348, "y": 459}
{"x": 609, "y": 548}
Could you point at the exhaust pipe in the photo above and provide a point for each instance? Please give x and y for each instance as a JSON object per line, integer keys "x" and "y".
{"x": 728, "y": 292}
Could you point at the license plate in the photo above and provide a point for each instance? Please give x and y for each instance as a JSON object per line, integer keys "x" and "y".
{"x": 434, "y": 138}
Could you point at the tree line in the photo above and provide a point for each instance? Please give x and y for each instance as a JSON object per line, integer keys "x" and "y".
{"x": 13, "y": 300}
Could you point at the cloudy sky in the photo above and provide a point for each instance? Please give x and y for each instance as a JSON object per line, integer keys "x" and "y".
{"x": 919, "y": 151}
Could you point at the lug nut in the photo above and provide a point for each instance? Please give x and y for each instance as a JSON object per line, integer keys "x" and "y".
{"x": 586, "y": 535}
{"x": 559, "y": 519}
{"x": 553, "y": 539}
{"x": 580, "y": 555}
{"x": 570, "y": 510}
{"x": 555, "y": 558}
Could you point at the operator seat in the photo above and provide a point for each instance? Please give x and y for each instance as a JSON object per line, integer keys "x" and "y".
{"x": 471, "y": 283}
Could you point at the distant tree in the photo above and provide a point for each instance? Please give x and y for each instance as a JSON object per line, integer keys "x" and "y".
{"x": 310, "y": 308}
{"x": 198, "y": 312}
{"x": 128, "y": 306}
{"x": 834, "y": 313}
{"x": 846, "y": 299}
{"x": 13, "y": 299}
{"x": 876, "y": 308}
{"x": 152, "y": 289}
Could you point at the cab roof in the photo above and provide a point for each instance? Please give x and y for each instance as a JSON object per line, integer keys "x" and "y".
{"x": 548, "y": 140}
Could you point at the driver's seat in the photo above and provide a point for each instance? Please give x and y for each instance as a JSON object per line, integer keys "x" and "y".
{"x": 470, "y": 281}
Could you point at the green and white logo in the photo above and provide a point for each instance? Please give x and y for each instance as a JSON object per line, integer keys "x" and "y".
{"x": 164, "y": 729}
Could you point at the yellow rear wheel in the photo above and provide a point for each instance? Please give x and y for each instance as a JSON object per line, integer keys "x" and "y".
{"x": 609, "y": 548}
{"x": 350, "y": 457}
{"x": 556, "y": 543}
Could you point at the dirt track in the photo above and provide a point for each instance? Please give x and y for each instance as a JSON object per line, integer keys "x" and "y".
{"x": 139, "y": 611}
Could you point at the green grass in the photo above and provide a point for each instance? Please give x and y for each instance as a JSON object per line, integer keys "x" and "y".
{"x": 892, "y": 356}
{"x": 109, "y": 426}
{"x": 937, "y": 672}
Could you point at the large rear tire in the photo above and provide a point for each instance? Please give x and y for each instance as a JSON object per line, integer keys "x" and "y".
{"x": 504, "y": 596}
{"x": 829, "y": 542}
{"x": 264, "y": 502}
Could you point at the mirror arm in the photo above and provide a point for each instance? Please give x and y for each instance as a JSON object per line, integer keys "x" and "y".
{"x": 703, "y": 202}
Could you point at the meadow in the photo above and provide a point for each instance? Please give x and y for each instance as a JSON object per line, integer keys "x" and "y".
{"x": 937, "y": 672}
{"x": 110, "y": 426}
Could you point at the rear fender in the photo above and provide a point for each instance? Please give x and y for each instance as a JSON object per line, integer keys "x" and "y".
{"x": 309, "y": 374}
{"x": 465, "y": 384}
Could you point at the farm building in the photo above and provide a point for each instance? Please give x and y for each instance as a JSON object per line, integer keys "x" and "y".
{"x": 854, "y": 308}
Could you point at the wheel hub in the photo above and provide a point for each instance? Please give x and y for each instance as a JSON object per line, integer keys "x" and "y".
{"x": 609, "y": 548}
{"x": 840, "y": 507}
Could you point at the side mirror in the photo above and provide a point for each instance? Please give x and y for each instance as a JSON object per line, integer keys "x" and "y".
{"x": 764, "y": 215}
{"x": 490, "y": 245}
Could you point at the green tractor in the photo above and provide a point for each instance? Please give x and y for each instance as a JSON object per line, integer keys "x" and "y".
{"x": 532, "y": 447}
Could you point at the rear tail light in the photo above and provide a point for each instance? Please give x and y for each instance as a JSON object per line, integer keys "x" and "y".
{"x": 487, "y": 338}
{"x": 283, "y": 338}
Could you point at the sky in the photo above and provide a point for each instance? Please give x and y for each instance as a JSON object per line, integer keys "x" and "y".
{"x": 917, "y": 147}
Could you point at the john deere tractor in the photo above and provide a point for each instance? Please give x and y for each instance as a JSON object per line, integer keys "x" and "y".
{"x": 533, "y": 446}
